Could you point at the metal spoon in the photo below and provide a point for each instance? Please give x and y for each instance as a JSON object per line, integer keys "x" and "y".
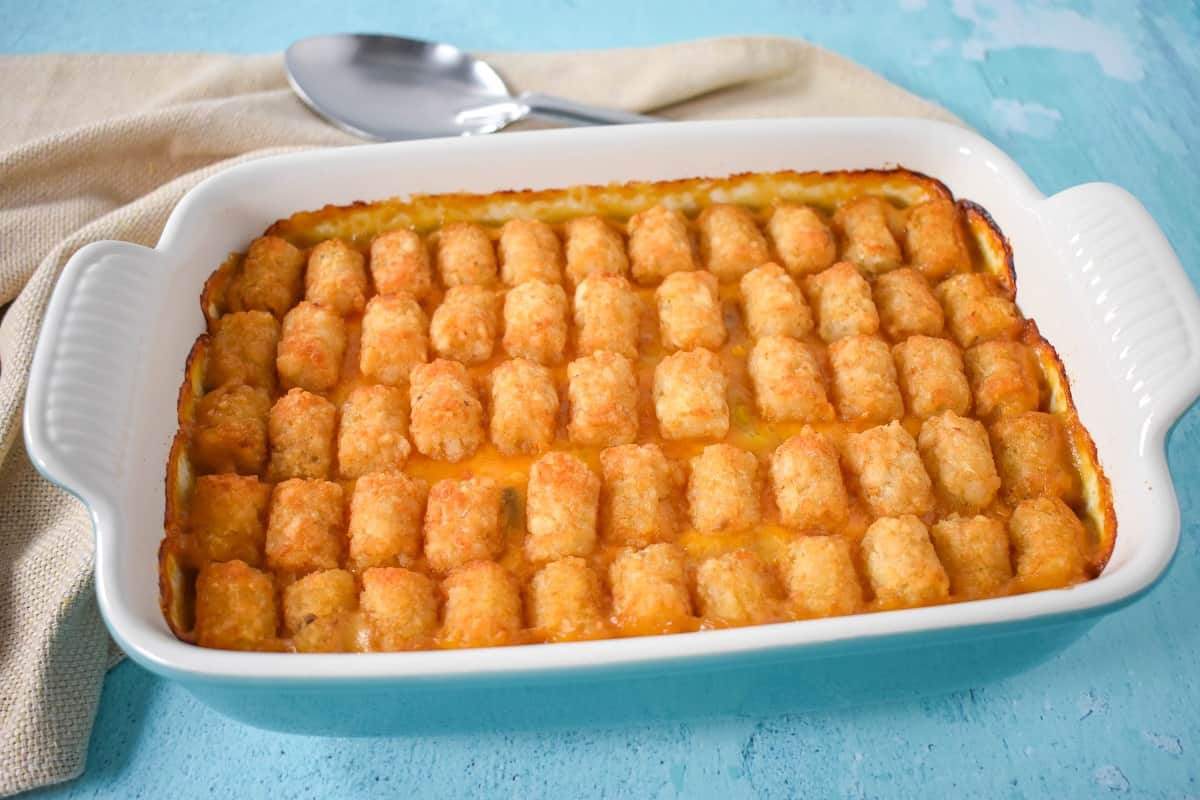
{"x": 390, "y": 88}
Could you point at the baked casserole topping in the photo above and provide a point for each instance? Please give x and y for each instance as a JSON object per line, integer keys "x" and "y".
{"x": 478, "y": 420}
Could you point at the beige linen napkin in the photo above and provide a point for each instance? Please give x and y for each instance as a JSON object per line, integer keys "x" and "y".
{"x": 103, "y": 146}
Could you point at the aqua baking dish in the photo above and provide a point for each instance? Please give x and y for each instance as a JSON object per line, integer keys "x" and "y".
{"x": 1092, "y": 268}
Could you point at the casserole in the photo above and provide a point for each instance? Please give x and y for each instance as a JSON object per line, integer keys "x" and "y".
{"x": 602, "y": 510}
{"x": 1091, "y": 266}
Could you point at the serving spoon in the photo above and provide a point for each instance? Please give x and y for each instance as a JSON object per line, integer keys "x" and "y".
{"x": 390, "y": 88}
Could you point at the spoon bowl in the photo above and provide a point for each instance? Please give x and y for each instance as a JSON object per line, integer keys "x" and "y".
{"x": 390, "y": 88}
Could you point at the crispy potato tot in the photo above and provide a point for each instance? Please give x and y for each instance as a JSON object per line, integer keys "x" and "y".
{"x": 400, "y": 263}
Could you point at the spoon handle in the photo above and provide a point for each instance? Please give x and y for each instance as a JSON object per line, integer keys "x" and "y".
{"x": 572, "y": 113}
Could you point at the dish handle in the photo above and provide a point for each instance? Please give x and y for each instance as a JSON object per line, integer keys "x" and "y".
{"x": 95, "y": 340}
{"x": 1147, "y": 303}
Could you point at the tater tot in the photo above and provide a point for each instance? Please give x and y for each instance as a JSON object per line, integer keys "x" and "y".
{"x": 736, "y": 589}
{"x": 802, "y": 240}
{"x": 336, "y": 633}
{"x": 689, "y": 396}
{"x": 301, "y": 429}
{"x": 907, "y": 306}
{"x": 902, "y": 565}
{"x": 386, "y": 511}
{"x": 773, "y": 305}
{"x": 394, "y": 339}
{"x": 400, "y": 263}
{"x": 336, "y": 278}
{"x": 689, "y": 311}
{"x": 464, "y": 326}
{"x": 1004, "y": 378}
{"x": 650, "y": 591}
{"x": 524, "y": 407}
{"x": 841, "y": 299}
{"x": 373, "y": 435}
{"x": 1049, "y": 541}
{"x": 723, "y": 489}
{"x": 529, "y": 251}
{"x": 243, "y": 350}
{"x": 565, "y": 602}
{"x": 639, "y": 484}
{"x": 1034, "y": 457}
{"x": 400, "y": 607}
{"x": 974, "y": 552}
{"x": 305, "y": 526}
{"x": 332, "y": 634}
{"x": 607, "y": 315}
{"x": 593, "y": 248}
{"x": 465, "y": 255}
{"x": 730, "y": 242}
{"x": 807, "y": 483}
{"x": 869, "y": 240}
{"x": 312, "y": 342}
{"x": 820, "y": 578}
{"x": 602, "y": 391}
{"x": 959, "y": 460}
{"x": 788, "y": 385}
{"x": 535, "y": 322}
{"x": 864, "y": 380}
{"x": 561, "y": 506}
{"x": 231, "y": 431}
{"x": 447, "y": 417}
{"x": 235, "y": 607}
{"x": 659, "y": 244}
{"x": 930, "y": 372}
{"x": 462, "y": 522}
{"x": 976, "y": 309}
{"x": 271, "y": 279}
{"x": 934, "y": 240}
{"x": 318, "y": 595}
{"x": 483, "y": 606}
{"x": 891, "y": 477}
{"x": 227, "y": 517}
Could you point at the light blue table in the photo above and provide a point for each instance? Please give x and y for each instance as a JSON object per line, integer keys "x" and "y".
{"x": 1074, "y": 93}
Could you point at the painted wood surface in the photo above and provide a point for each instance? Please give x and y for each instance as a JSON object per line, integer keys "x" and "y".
{"x": 1075, "y": 92}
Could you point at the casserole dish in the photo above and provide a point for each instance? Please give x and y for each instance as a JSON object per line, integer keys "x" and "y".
{"x": 1092, "y": 269}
